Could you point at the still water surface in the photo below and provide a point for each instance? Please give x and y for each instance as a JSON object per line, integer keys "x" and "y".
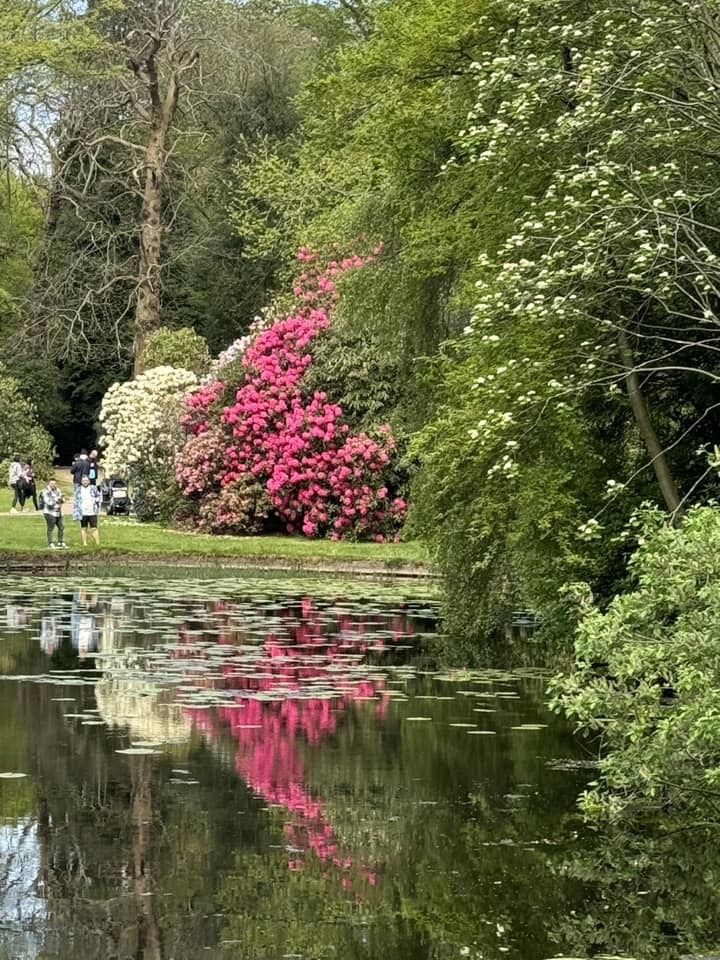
{"x": 273, "y": 769}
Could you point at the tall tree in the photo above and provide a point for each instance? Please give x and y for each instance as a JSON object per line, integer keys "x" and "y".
{"x": 585, "y": 381}
{"x": 377, "y": 121}
{"x": 140, "y": 154}
{"x": 161, "y": 67}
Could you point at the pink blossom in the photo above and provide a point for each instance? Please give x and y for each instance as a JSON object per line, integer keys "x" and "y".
{"x": 297, "y": 448}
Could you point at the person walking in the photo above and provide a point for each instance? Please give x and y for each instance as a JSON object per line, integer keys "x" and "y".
{"x": 52, "y": 510}
{"x": 15, "y": 483}
{"x": 29, "y": 485}
{"x": 90, "y": 500}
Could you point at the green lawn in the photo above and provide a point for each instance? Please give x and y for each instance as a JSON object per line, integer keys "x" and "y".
{"x": 26, "y": 533}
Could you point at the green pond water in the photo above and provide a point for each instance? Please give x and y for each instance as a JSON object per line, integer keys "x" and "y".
{"x": 275, "y": 768}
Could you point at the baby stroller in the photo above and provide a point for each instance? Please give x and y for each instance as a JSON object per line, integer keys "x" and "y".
{"x": 115, "y": 496}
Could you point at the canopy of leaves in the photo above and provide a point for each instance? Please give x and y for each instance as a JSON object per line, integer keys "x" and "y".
{"x": 21, "y": 436}
{"x": 603, "y": 116}
{"x": 20, "y": 231}
{"x": 376, "y": 127}
{"x": 646, "y": 673}
{"x": 176, "y": 348}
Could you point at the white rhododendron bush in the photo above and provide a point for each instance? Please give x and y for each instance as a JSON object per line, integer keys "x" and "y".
{"x": 141, "y": 432}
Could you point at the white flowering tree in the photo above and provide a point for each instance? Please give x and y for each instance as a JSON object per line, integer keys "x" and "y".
{"x": 591, "y": 360}
{"x": 141, "y": 431}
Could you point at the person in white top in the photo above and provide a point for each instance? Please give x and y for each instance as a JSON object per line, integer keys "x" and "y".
{"x": 15, "y": 482}
{"x": 90, "y": 500}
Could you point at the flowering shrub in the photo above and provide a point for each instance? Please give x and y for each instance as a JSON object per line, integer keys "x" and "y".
{"x": 231, "y": 354}
{"x": 319, "y": 477}
{"x": 196, "y": 465}
{"x": 141, "y": 430}
{"x": 200, "y": 404}
{"x": 239, "y": 509}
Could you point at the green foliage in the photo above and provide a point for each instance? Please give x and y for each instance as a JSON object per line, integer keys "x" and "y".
{"x": 237, "y": 510}
{"x": 44, "y": 49}
{"x": 182, "y": 348}
{"x": 20, "y": 227}
{"x": 154, "y": 495}
{"x": 653, "y": 894}
{"x": 42, "y": 42}
{"x": 252, "y": 68}
{"x": 503, "y": 495}
{"x": 530, "y": 464}
{"x": 20, "y": 432}
{"x": 43, "y": 383}
{"x": 647, "y": 673}
{"x": 355, "y": 371}
{"x": 376, "y": 127}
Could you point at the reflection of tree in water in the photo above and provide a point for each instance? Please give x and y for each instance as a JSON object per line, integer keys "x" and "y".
{"x": 148, "y": 937}
{"x": 364, "y": 872}
{"x": 449, "y": 883}
{"x": 122, "y": 866}
{"x": 653, "y": 894}
{"x": 396, "y": 861}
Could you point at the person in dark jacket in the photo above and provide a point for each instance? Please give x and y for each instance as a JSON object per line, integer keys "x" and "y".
{"x": 94, "y": 468}
{"x": 80, "y": 468}
{"x": 29, "y": 485}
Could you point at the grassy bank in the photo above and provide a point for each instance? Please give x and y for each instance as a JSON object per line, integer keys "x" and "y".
{"x": 25, "y": 534}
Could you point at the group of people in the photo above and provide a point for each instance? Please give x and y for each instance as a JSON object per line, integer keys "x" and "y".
{"x": 22, "y": 484}
{"x": 87, "y": 498}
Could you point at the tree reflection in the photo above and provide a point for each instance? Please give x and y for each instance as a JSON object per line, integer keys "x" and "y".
{"x": 303, "y": 816}
{"x": 360, "y": 868}
{"x": 653, "y": 893}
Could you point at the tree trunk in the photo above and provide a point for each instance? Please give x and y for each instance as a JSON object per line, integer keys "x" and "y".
{"x": 641, "y": 413}
{"x": 149, "y": 934}
{"x": 148, "y": 303}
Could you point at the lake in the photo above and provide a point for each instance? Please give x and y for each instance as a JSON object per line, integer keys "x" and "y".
{"x": 277, "y": 768}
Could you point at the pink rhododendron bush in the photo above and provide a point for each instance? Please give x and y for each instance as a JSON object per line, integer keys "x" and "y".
{"x": 268, "y": 453}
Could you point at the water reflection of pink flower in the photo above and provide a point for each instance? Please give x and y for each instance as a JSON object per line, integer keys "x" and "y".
{"x": 268, "y": 731}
